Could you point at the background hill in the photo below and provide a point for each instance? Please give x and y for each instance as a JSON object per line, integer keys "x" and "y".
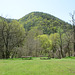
{"x": 46, "y": 22}
{"x": 43, "y": 21}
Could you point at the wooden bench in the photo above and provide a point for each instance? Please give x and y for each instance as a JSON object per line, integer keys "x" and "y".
{"x": 44, "y": 57}
{"x": 27, "y": 57}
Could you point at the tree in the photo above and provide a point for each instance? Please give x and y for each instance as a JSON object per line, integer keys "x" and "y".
{"x": 32, "y": 43}
{"x": 54, "y": 38}
{"x": 12, "y": 35}
{"x": 60, "y": 31}
{"x": 67, "y": 41}
{"x": 73, "y": 23}
{"x": 46, "y": 44}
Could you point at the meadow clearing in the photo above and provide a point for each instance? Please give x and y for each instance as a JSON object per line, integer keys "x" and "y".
{"x": 37, "y": 67}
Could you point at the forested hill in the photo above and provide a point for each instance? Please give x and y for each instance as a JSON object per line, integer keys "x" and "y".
{"x": 46, "y": 22}
{"x": 7, "y": 19}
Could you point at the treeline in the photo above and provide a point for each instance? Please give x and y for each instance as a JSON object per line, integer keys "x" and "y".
{"x": 37, "y": 34}
{"x": 57, "y": 45}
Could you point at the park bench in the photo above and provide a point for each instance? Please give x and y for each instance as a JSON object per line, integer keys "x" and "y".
{"x": 44, "y": 57}
{"x": 27, "y": 57}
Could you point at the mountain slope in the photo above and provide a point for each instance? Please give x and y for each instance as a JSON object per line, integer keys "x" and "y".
{"x": 46, "y": 22}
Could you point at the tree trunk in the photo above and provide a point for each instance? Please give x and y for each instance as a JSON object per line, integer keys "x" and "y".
{"x": 59, "y": 54}
{"x": 36, "y": 49}
{"x": 74, "y": 40}
{"x": 53, "y": 54}
{"x": 7, "y": 48}
{"x": 68, "y": 50}
{"x": 7, "y": 52}
{"x": 61, "y": 46}
{"x": 3, "y": 55}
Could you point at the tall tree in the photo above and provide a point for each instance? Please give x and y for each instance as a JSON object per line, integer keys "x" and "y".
{"x": 67, "y": 41}
{"x": 60, "y": 31}
{"x": 12, "y": 35}
{"x": 73, "y": 23}
{"x": 54, "y": 38}
{"x": 32, "y": 43}
{"x": 46, "y": 44}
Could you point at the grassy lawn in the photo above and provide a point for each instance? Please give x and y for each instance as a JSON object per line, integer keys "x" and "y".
{"x": 37, "y": 67}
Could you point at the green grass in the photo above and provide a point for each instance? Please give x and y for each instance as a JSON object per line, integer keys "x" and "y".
{"x": 37, "y": 67}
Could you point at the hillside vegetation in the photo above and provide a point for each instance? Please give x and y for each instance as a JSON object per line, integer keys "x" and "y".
{"x": 46, "y": 22}
{"x": 34, "y": 35}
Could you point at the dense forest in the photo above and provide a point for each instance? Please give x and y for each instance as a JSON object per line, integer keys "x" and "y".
{"x": 36, "y": 34}
{"x": 45, "y": 22}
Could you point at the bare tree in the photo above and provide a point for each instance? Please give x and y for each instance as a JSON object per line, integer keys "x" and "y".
{"x": 73, "y": 24}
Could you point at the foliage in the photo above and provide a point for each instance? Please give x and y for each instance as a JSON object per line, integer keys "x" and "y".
{"x": 46, "y": 22}
{"x": 55, "y": 39}
{"x": 35, "y": 34}
{"x": 46, "y": 44}
{"x": 11, "y": 35}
